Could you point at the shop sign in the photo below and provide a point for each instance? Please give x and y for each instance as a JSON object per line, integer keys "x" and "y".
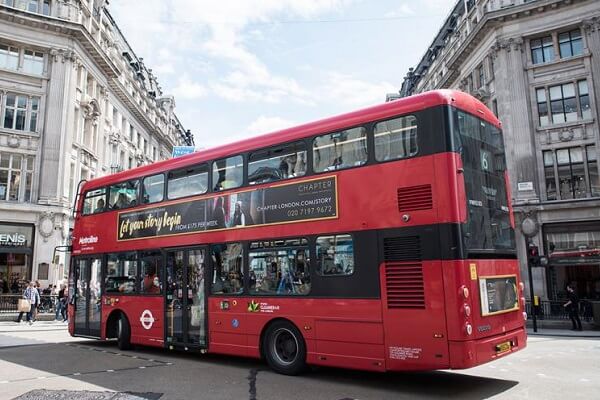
{"x": 15, "y": 236}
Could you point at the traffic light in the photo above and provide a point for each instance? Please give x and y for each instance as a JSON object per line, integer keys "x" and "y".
{"x": 533, "y": 255}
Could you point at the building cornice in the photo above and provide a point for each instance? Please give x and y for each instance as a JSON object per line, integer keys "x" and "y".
{"x": 489, "y": 22}
{"x": 58, "y": 26}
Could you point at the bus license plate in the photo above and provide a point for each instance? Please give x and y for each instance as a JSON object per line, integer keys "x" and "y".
{"x": 504, "y": 346}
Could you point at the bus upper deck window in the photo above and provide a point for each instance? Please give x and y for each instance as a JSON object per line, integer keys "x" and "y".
{"x": 396, "y": 138}
{"x": 94, "y": 201}
{"x": 228, "y": 173}
{"x": 187, "y": 182}
{"x": 123, "y": 195}
{"x": 153, "y": 189}
{"x": 277, "y": 163}
{"x": 340, "y": 150}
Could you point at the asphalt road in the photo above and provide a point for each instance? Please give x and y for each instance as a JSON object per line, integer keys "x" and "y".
{"x": 47, "y": 363}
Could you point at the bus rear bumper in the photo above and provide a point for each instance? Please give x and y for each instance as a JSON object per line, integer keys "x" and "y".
{"x": 470, "y": 353}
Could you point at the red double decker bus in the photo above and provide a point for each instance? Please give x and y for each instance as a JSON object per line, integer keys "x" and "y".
{"x": 380, "y": 240}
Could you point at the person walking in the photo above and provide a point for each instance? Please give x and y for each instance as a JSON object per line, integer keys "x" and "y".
{"x": 33, "y": 296}
{"x": 61, "y": 304}
{"x": 572, "y": 306}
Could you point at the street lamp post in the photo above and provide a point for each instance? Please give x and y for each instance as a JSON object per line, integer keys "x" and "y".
{"x": 529, "y": 227}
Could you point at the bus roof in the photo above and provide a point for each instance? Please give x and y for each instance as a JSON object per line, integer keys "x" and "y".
{"x": 381, "y": 111}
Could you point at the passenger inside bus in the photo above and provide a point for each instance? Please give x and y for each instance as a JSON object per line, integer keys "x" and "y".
{"x": 99, "y": 206}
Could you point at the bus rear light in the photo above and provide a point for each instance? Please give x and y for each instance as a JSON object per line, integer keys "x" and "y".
{"x": 464, "y": 291}
{"x": 521, "y": 286}
{"x": 523, "y": 301}
{"x": 469, "y": 329}
{"x": 524, "y": 316}
{"x": 467, "y": 310}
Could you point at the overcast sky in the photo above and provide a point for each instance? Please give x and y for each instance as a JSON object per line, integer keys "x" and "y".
{"x": 240, "y": 68}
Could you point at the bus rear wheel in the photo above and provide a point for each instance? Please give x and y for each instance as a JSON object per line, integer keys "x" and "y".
{"x": 284, "y": 348}
{"x": 123, "y": 334}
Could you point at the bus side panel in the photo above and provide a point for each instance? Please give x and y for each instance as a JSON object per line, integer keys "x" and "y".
{"x": 227, "y": 325}
{"x": 415, "y": 336}
{"x": 145, "y": 316}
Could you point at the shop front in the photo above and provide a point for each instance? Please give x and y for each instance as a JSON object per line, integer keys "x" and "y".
{"x": 573, "y": 251}
{"x": 16, "y": 256}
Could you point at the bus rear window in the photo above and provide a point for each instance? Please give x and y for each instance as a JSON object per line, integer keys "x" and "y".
{"x": 123, "y": 195}
{"x": 94, "y": 201}
{"x": 340, "y": 150}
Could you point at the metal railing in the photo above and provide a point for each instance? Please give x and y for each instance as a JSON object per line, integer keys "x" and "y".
{"x": 8, "y": 303}
{"x": 554, "y": 310}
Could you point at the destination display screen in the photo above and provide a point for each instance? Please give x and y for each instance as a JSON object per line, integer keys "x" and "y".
{"x": 287, "y": 203}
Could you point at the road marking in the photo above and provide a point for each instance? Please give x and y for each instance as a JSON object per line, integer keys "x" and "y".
{"x": 142, "y": 367}
{"x": 3, "y": 381}
{"x": 77, "y": 374}
{"x": 541, "y": 375}
{"x": 110, "y": 370}
{"x": 584, "y": 380}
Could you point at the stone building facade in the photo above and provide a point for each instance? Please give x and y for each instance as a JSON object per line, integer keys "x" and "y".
{"x": 75, "y": 103}
{"x": 536, "y": 64}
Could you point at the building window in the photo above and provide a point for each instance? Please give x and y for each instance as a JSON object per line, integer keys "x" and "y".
{"x": 542, "y": 50}
{"x": 33, "y": 62}
{"x": 9, "y": 57}
{"x": 34, "y": 6}
{"x": 19, "y": 114}
{"x": 481, "y": 75}
{"x": 14, "y": 169}
{"x": 567, "y": 102}
{"x": 570, "y": 43}
{"x": 571, "y": 177}
{"x": 584, "y": 100}
{"x": 593, "y": 170}
{"x": 549, "y": 174}
{"x": 492, "y": 68}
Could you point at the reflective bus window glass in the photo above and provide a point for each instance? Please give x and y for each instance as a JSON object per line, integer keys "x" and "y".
{"x": 121, "y": 273}
{"x": 94, "y": 201}
{"x": 228, "y": 173}
{"x": 335, "y": 255}
{"x": 228, "y": 277}
{"x": 123, "y": 195}
{"x": 279, "y": 268}
{"x": 340, "y": 150}
{"x": 187, "y": 182}
{"x": 153, "y": 189}
{"x": 396, "y": 138}
{"x": 151, "y": 265}
{"x": 277, "y": 163}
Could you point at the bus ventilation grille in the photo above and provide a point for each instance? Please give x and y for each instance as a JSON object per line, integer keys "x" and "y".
{"x": 406, "y": 248}
{"x": 404, "y": 285}
{"x": 415, "y": 198}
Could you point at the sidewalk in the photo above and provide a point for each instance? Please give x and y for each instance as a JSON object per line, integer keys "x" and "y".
{"x": 11, "y": 326}
{"x": 564, "y": 333}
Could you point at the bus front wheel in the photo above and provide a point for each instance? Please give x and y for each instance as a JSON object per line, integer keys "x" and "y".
{"x": 123, "y": 334}
{"x": 284, "y": 348}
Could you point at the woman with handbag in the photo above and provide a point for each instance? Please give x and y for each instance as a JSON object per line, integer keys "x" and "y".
{"x": 33, "y": 297}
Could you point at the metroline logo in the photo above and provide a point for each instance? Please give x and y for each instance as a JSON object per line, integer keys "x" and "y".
{"x": 88, "y": 240}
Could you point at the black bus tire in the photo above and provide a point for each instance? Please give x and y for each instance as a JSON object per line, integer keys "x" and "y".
{"x": 123, "y": 334}
{"x": 284, "y": 348}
